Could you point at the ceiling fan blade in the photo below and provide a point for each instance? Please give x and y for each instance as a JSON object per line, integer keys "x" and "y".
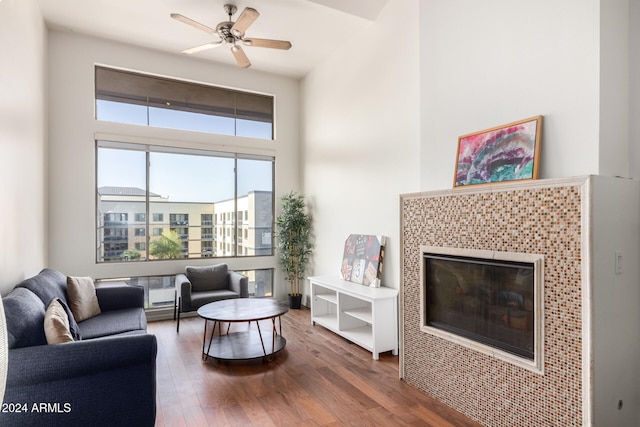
{"x": 241, "y": 57}
{"x": 193, "y": 23}
{"x": 273, "y": 44}
{"x": 202, "y": 47}
{"x": 245, "y": 19}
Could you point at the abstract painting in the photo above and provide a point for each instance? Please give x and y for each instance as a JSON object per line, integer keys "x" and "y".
{"x": 362, "y": 259}
{"x": 504, "y": 153}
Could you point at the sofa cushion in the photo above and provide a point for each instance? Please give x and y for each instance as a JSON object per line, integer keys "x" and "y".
{"x": 73, "y": 325}
{"x": 47, "y": 285}
{"x": 56, "y": 324}
{"x": 83, "y": 301}
{"x": 24, "y": 313}
{"x": 208, "y": 278}
{"x": 113, "y": 322}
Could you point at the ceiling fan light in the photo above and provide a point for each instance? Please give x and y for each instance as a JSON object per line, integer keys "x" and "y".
{"x": 234, "y": 48}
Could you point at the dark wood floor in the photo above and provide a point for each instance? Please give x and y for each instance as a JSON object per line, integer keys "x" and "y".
{"x": 319, "y": 379}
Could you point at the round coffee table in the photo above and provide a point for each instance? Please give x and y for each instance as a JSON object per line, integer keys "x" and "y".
{"x": 250, "y": 344}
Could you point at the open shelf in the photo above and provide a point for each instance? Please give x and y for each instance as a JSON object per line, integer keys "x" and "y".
{"x": 332, "y": 298}
{"x": 365, "y": 316}
{"x": 363, "y": 336}
{"x": 330, "y": 322}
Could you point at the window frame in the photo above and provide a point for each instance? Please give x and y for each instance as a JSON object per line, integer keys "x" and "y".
{"x": 151, "y": 224}
{"x": 134, "y": 88}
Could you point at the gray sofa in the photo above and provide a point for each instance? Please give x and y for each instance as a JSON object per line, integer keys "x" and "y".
{"x": 106, "y": 378}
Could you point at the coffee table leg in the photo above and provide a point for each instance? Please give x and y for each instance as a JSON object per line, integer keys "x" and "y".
{"x": 206, "y": 355}
{"x": 204, "y": 338}
{"x": 273, "y": 334}
{"x": 261, "y": 340}
{"x": 280, "y": 322}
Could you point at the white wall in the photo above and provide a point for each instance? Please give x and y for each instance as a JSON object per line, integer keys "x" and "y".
{"x": 634, "y": 87}
{"x": 361, "y": 135}
{"x": 73, "y": 130}
{"x": 489, "y": 63}
{"x": 614, "y": 88}
{"x": 615, "y": 315}
{"x": 23, "y": 175}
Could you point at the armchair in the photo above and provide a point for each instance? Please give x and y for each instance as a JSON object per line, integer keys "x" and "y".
{"x": 198, "y": 286}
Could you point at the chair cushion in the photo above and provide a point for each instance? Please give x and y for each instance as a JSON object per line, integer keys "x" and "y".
{"x": 198, "y": 299}
{"x": 208, "y": 278}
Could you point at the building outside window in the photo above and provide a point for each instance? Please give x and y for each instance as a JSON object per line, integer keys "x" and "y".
{"x": 207, "y": 233}
{"x": 175, "y": 191}
{"x": 179, "y": 219}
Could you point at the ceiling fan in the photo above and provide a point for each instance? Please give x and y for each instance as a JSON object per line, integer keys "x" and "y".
{"x": 231, "y": 34}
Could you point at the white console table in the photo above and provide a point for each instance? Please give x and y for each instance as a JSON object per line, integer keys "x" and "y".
{"x": 365, "y": 316}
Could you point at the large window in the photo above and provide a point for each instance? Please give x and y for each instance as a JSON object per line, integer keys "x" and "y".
{"x": 127, "y": 97}
{"x": 159, "y": 290}
{"x": 191, "y": 198}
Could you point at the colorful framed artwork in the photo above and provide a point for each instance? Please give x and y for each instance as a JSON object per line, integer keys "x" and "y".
{"x": 504, "y": 153}
{"x": 362, "y": 259}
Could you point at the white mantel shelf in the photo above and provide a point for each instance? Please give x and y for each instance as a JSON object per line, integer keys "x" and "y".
{"x": 501, "y": 186}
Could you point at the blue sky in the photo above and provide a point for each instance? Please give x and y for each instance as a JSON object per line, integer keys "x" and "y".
{"x": 181, "y": 177}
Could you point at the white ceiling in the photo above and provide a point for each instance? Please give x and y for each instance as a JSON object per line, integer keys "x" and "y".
{"x": 314, "y": 27}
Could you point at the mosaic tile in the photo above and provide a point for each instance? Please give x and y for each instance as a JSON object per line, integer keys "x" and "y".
{"x": 545, "y": 221}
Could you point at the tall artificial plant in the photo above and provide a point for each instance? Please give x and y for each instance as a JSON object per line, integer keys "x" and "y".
{"x": 293, "y": 234}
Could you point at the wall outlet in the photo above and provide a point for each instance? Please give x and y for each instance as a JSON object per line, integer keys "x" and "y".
{"x": 618, "y": 262}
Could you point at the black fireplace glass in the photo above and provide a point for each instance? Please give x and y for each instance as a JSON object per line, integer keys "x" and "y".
{"x": 486, "y": 300}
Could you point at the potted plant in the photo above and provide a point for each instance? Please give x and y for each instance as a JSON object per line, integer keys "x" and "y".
{"x": 293, "y": 234}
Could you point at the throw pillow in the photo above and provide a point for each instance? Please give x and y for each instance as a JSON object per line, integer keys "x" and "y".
{"x": 83, "y": 301}
{"x": 73, "y": 325}
{"x": 56, "y": 324}
{"x": 208, "y": 278}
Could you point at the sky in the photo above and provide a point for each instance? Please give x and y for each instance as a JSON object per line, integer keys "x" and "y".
{"x": 180, "y": 177}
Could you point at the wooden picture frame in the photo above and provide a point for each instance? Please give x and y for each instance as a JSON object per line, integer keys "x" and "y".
{"x": 509, "y": 152}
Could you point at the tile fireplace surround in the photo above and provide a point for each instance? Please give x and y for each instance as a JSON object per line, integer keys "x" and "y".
{"x": 547, "y": 217}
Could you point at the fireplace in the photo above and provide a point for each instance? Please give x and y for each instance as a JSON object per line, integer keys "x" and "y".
{"x": 487, "y": 301}
{"x": 585, "y": 314}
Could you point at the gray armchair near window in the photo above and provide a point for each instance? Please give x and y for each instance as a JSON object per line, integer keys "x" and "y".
{"x": 201, "y": 285}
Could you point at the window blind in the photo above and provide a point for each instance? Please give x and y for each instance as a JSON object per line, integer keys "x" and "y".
{"x": 141, "y": 89}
